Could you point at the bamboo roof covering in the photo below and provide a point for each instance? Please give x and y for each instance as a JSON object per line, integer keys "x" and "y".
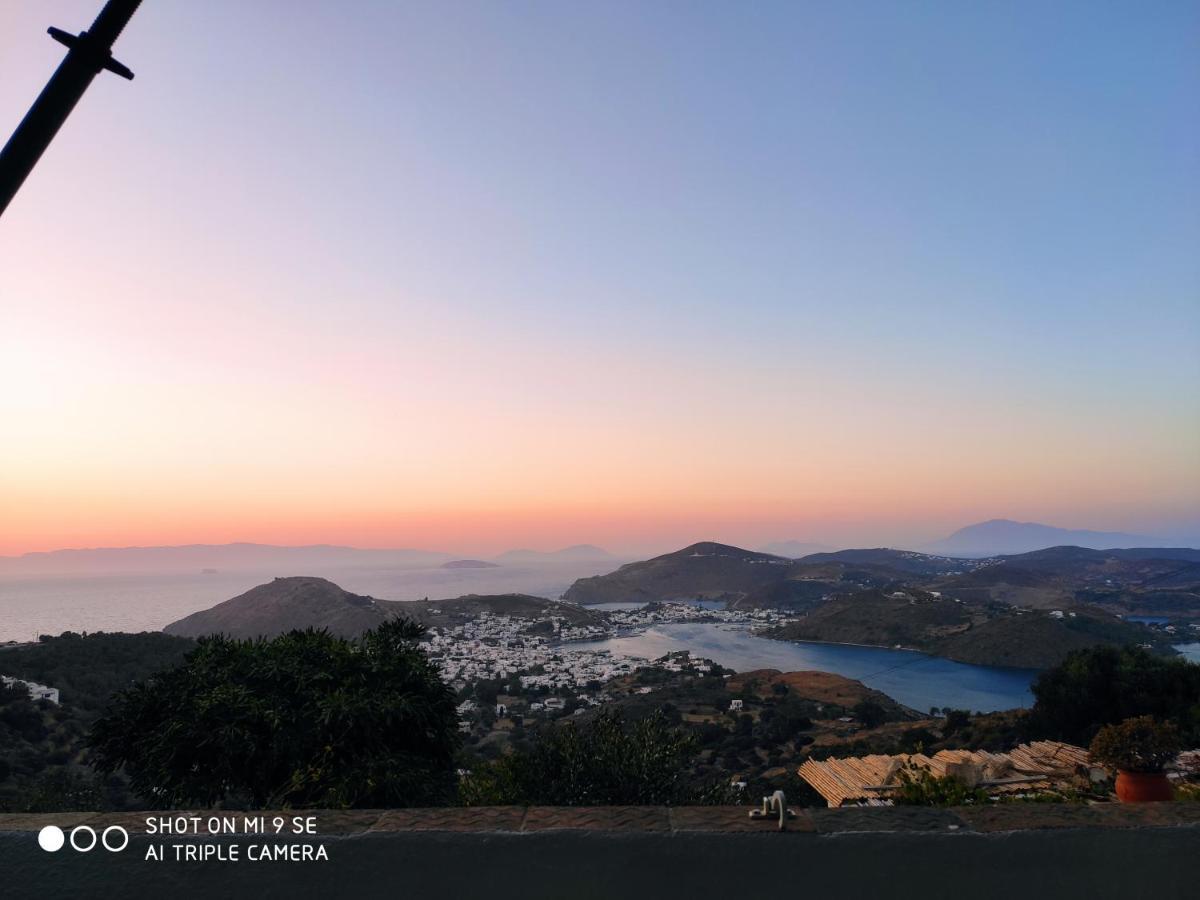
{"x": 871, "y": 779}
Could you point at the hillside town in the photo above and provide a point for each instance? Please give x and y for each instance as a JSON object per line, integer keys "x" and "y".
{"x": 558, "y": 661}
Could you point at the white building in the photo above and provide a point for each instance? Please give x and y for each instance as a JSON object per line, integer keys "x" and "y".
{"x": 36, "y": 691}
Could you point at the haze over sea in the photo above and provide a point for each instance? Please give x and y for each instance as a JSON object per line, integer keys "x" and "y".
{"x": 30, "y": 606}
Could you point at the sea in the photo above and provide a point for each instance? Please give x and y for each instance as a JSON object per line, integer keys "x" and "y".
{"x": 915, "y": 679}
{"x": 32, "y": 606}
{"x": 35, "y": 605}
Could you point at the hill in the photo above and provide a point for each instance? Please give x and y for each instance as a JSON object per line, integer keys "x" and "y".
{"x": 42, "y": 754}
{"x": 702, "y": 571}
{"x": 972, "y": 633}
{"x": 819, "y": 687}
{"x": 469, "y": 564}
{"x": 286, "y": 604}
{"x": 1136, "y": 581}
{"x": 305, "y": 602}
{"x": 900, "y": 562}
{"x": 1005, "y": 537}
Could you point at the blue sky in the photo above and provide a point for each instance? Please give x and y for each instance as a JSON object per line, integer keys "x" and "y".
{"x": 962, "y": 235}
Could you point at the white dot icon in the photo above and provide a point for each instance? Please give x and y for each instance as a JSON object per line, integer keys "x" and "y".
{"x": 51, "y": 838}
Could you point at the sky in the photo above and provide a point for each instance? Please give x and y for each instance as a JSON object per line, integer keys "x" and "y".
{"x": 466, "y": 276}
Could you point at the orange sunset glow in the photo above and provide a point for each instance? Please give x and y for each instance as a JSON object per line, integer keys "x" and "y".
{"x": 287, "y": 316}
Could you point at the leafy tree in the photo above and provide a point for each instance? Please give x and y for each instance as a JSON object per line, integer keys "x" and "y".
{"x": 870, "y": 713}
{"x": 956, "y": 720}
{"x": 42, "y": 746}
{"x": 304, "y": 719}
{"x": 1105, "y": 685}
{"x": 606, "y": 761}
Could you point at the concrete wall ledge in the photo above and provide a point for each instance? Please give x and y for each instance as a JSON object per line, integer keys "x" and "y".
{"x": 1019, "y": 850}
{"x": 663, "y": 819}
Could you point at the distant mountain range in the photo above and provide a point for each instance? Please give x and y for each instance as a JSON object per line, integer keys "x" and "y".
{"x": 996, "y": 537}
{"x": 1004, "y": 537}
{"x": 266, "y": 558}
{"x": 1023, "y": 610}
{"x": 577, "y": 553}
{"x": 1145, "y": 581}
{"x": 193, "y": 558}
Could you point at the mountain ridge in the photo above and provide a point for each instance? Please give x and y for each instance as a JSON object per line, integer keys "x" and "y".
{"x": 1006, "y": 537}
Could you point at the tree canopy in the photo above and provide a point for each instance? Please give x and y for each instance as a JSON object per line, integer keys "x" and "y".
{"x": 1104, "y": 685}
{"x": 42, "y": 744}
{"x": 303, "y": 719}
{"x": 606, "y": 761}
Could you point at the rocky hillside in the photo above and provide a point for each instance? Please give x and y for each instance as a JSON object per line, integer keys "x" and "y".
{"x": 1141, "y": 581}
{"x": 1125, "y": 581}
{"x": 990, "y": 634}
{"x": 819, "y": 687}
{"x": 286, "y": 604}
{"x": 303, "y": 602}
{"x": 701, "y": 571}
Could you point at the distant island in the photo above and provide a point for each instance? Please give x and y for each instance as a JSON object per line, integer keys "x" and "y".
{"x": 270, "y": 558}
{"x": 1005, "y": 537}
{"x": 576, "y": 553}
{"x": 469, "y": 564}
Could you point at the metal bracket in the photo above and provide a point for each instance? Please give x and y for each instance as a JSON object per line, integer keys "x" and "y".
{"x": 777, "y": 801}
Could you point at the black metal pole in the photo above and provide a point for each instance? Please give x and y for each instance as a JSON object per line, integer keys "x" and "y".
{"x": 88, "y": 53}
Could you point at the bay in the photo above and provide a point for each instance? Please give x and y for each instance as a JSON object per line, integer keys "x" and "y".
{"x": 914, "y": 679}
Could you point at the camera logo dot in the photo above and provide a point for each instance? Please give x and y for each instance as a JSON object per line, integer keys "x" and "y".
{"x": 90, "y": 833}
{"x": 83, "y": 838}
{"x": 51, "y": 838}
{"x": 120, "y": 835}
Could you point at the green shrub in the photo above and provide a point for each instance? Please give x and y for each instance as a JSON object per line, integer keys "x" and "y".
{"x": 920, "y": 787}
{"x": 606, "y": 761}
{"x": 1104, "y": 685}
{"x": 1136, "y": 745}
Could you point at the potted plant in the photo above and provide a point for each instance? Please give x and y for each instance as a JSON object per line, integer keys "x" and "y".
{"x": 1138, "y": 749}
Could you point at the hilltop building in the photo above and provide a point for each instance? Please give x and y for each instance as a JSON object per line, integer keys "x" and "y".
{"x": 36, "y": 691}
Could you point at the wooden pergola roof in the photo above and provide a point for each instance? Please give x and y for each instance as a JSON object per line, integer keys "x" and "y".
{"x": 872, "y": 779}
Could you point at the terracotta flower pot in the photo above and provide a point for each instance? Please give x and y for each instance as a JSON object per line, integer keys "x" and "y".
{"x": 1143, "y": 787}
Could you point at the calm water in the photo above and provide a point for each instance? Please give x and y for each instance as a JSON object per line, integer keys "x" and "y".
{"x": 914, "y": 679}
{"x": 30, "y": 606}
